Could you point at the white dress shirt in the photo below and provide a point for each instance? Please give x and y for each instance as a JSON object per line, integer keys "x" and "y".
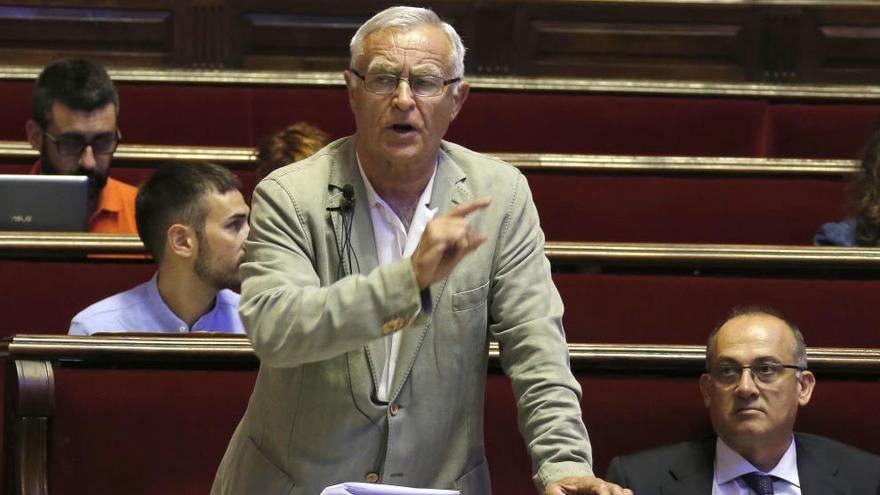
{"x": 729, "y": 466}
{"x": 394, "y": 242}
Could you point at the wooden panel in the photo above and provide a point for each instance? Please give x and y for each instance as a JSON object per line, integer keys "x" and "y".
{"x": 842, "y": 46}
{"x": 301, "y": 42}
{"x": 615, "y": 42}
{"x": 302, "y": 36}
{"x": 112, "y": 35}
{"x": 797, "y": 41}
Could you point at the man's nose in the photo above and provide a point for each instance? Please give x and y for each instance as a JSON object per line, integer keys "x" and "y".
{"x": 403, "y": 95}
{"x": 746, "y": 385}
{"x": 87, "y": 158}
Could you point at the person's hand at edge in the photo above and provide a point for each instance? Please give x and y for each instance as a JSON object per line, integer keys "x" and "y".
{"x": 585, "y": 485}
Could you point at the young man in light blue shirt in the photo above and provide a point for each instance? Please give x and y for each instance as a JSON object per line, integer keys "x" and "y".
{"x": 193, "y": 219}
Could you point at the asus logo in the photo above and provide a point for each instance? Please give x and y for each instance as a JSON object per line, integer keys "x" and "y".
{"x": 22, "y": 218}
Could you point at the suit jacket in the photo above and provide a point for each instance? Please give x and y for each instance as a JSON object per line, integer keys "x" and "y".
{"x": 313, "y": 419}
{"x": 825, "y": 467}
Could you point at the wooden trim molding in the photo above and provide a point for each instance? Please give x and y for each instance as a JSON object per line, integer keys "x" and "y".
{"x": 207, "y": 351}
{"x": 28, "y": 244}
{"x": 41, "y": 244}
{"x": 29, "y": 405}
{"x": 738, "y": 255}
{"x": 494, "y": 83}
{"x": 139, "y": 155}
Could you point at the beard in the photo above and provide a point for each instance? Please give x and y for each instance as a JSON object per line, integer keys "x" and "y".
{"x": 97, "y": 180}
{"x": 215, "y": 272}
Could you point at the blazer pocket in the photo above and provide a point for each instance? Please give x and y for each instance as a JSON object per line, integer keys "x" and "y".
{"x": 257, "y": 474}
{"x": 476, "y": 481}
{"x": 472, "y": 298}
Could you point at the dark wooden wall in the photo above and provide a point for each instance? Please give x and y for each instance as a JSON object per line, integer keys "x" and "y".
{"x": 748, "y": 40}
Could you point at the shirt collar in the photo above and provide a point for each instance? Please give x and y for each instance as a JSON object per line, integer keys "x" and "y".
{"x": 729, "y": 465}
{"x": 166, "y": 317}
{"x": 424, "y": 200}
{"x": 111, "y": 198}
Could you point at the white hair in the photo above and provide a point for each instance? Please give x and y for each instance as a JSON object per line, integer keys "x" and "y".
{"x": 408, "y": 17}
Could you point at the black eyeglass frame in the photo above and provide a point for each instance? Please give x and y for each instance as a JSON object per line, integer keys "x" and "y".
{"x": 84, "y": 144}
{"x": 755, "y": 376}
{"x": 446, "y": 82}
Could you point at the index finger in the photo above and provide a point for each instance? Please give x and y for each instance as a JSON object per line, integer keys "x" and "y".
{"x": 468, "y": 207}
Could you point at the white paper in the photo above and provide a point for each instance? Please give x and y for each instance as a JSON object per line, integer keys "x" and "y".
{"x": 377, "y": 489}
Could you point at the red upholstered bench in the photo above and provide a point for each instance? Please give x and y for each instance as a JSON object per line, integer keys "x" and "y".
{"x": 595, "y": 198}
{"x": 616, "y": 206}
{"x": 630, "y": 293}
{"x": 497, "y": 120}
{"x": 677, "y": 308}
{"x": 149, "y": 415}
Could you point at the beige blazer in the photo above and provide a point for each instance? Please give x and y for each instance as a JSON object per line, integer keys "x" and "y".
{"x": 313, "y": 419}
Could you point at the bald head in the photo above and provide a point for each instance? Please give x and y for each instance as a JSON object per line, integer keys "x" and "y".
{"x": 798, "y": 349}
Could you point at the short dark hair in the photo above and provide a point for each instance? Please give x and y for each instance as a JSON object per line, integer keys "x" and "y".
{"x": 800, "y": 348}
{"x": 175, "y": 193}
{"x": 79, "y": 84}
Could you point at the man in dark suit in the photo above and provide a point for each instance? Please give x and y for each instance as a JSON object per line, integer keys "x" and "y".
{"x": 755, "y": 381}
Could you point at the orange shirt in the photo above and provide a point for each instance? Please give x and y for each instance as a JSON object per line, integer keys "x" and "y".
{"x": 115, "y": 211}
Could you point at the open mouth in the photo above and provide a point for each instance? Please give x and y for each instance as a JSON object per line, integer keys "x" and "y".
{"x": 402, "y": 128}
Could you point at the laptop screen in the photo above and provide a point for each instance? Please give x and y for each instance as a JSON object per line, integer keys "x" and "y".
{"x": 56, "y": 203}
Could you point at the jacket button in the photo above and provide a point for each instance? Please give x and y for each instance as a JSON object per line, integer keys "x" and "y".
{"x": 394, "y": 409}
{"x": 371, "y": 477}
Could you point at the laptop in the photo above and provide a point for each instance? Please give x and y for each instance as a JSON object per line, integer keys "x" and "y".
{"x": 56, "y": 203}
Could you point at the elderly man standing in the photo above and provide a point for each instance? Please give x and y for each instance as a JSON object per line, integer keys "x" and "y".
{"x": 755, "y": 382}
{"x": 376, "y": 272}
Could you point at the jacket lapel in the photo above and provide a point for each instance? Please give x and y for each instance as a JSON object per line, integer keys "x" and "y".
{"x": 692, "y": 473}
{"x": 817, "y": 472}
{"x": 448, "y": 192}
{"x": 363, "y": 244}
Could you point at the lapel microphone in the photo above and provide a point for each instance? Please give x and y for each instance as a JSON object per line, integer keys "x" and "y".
{"x": 344, "y": 249}
{"x": 347, "y": 197}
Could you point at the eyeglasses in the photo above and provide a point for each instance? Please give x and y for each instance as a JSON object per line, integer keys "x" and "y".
{"x": 73, "y": 145}
{"x": 766, "y": 372}
{"x": 385, "y": 84}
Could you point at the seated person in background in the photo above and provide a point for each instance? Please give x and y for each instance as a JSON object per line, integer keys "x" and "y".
{"x": 863, "y": 228}
{"x": 292, "y": 144}
{"x": 756, "y": 379}
{"x": 73, "y": 126}
{"x": 193, "y": 219}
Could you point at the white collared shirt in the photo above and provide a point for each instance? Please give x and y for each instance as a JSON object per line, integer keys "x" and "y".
{"x": 729, "y": 466}
{"x": 394, "y": 242}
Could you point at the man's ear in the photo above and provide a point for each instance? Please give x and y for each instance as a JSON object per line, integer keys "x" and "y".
{"x": 706, "y": 389}
{"x": 349, "y": 88}
{"x": 181, "y": 241}
{"x": 34, "y": 135}
{"x": 459, "y": 97}
{"x": 806, "y": 385}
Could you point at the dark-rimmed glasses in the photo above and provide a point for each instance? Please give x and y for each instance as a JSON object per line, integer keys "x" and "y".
{"x": 73, "y": 145}
{"x": 385, "y": 84}
{"x": 765, "y": 372}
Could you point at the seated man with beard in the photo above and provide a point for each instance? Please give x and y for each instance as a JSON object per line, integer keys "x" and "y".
{"x": 73, "y": 126}
{"x": 193, "y": 219}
